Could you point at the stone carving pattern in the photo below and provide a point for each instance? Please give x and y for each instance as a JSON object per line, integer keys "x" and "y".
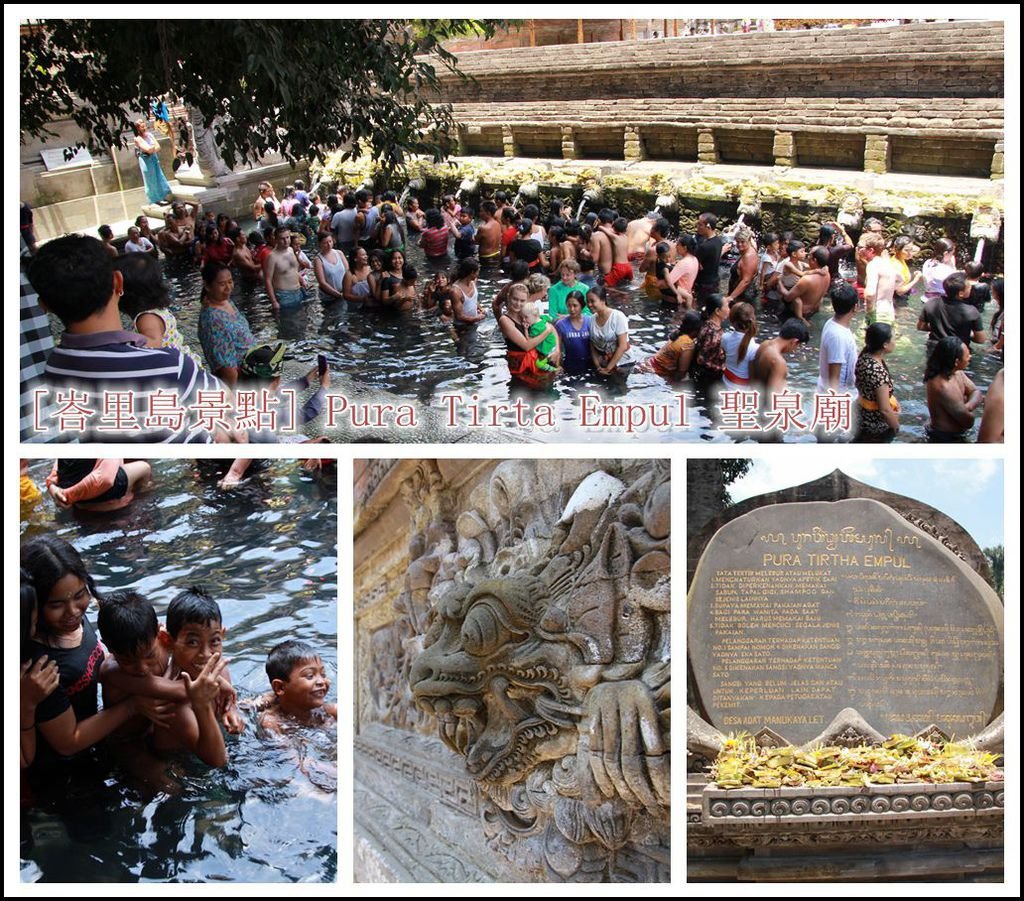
{"x": 833, "y": 834}
{"x": 375, "y": 472}
{"x": 858, "y": 805}
{"x": 928, "y": 527}
{"x": 545, "y": 664}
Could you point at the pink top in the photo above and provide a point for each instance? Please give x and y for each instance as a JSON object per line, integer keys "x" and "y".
{"x": 684, "y": 272}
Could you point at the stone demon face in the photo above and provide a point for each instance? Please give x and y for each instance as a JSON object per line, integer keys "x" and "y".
{"x": 494, "y": 673}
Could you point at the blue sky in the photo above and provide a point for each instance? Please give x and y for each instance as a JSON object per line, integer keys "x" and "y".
{"x": 970, "y": 491}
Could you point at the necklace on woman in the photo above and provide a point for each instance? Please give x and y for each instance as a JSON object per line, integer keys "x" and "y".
{"x": 65, "y": 641}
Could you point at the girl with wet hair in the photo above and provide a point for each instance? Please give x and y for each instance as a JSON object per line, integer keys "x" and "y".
{"x": 708, "y": 364}
{"x": 739, "y": 345}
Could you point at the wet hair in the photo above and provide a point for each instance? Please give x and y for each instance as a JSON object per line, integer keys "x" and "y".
{"x": 711, "y": 305}
{"x": 902, "y": 243}
{"x": 793, "y": 246}
{"x": 519, "y": 271}
{"x": 943, "y": 357}
{"x": 531, "y": 211}
{"x": 576, "y": 295}
{"x": 127, "y": 621}
{"x": 300, "y": 185}
{"x": 599, "y": 292}
{"x": 973, "y": 269}
{"x": 378, "y": 255}
{"x": 409, "y": 273}
{"x": 434, "y": 219}
{"x": 954, "y": 284}
{"x": 284, "y": 657}
{"x": 488, "y": 206}
{"x": 689, "y": 242}
{"x": 209, "y": 273}
{"x": 590, "y": 218}
{"x": 941, "y": 247}
{"x": 391, "y": 254}
{"x": 500, "y": 197}
{"x": 876, "y": 336}
{"x": 468, "y": 211}
{"x": 621, "y": 224}
{"x": 743, "y": 234}
{"x": 662, "y": 248}
{"x": 74, "y": 277}
{"x": 526, "y": 226}
{"x": 322, "y": 235}
{"x": 795, "y": 328}
{"x": 144, "y": 285}
{"x": 519, "y": 289}
{"x": 662, "y": 225}
{"x": 606, "y": 215}
{"x": 872, "y": 223}
{"x": 744, "y": 319}
{"x": 193, "y": 605}
{"x": 570, "y": 264}
{"x": 28, "y": 604}
{"x": 556, "y": 234}
{"x": 820, "y": 256}
{"x": 572, "y": 228}
{"x": 280, "y": 229}
{"x": 256, "y": 238}
{"x": 465, "y": 267}
{"x": 826, "y": 235}
{"x": 362, "y": 195}
{"x": 844, "y": 298}
{"x": 709, "y": 219}
{"x": 997, "y": 289}
{"x": 348, "y": 201}
{"x": 873, "y": 241}
{"x": 769, "y": 238}
{"x": 48, "y": 559}
{"x": 689, "y": 325}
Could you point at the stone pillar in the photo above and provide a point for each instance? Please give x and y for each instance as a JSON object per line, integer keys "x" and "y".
{"x": 784, "y": 148}
{"x": 508, "y": 140}
{"x": 569, "y": 151}
{"x": 877, "y": 153}
{"x": 997, "y": 161}
{"x": 633, "y": 147}
{"x": 707, "y": 149}
{"x": 460, "y": 141}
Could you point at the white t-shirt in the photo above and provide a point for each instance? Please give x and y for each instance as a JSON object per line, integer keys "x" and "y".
{"x": 143, "y": 245}
{"x": 731, "y": 342}
{"x": 606, "y": 337}
{"x": 837, "y": 346}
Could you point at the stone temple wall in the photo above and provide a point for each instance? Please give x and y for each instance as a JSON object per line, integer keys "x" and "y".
{"x": 921, "y": 99}
{"x": 507, "y": 613}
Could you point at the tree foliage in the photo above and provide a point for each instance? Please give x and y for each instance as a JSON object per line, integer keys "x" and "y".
{"x": 996, "y": 559}
{"x": 301, "y": 89}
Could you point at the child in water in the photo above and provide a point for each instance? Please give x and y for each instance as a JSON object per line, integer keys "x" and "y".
{"x": 97, "y": 485}
{"x": 535, "y": 324}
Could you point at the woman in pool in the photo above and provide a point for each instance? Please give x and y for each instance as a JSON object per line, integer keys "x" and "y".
{"x": 879, "y": 411}
{"x": 941, "y": 264}
{"x": 739, "y": 346}
{"x": 519, "y": 344}
{"x": 147, "y": 149}
{"x": 330, "y": 267}
{"x": 672, "y": 361}
{"x": 574, "y": 332}
{"x": 609, "y": 332}
{"x": 356, "y": 287}
{"x": 708, "y": 363}
{"x": 223, "y": 330}
{"x": 69, "y": 719}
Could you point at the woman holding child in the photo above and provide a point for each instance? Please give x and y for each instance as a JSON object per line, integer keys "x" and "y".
{"x": 518, "y": 342}
{"x": 69, "y": 719}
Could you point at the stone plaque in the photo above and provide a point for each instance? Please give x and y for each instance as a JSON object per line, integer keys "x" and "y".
{"x": 799, "y": 610}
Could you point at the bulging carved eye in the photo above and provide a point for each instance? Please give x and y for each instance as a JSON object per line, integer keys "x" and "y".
{"x": 482, "y": 631}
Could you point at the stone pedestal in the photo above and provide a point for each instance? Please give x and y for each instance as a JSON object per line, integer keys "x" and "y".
{"x": 997, "y": 160}
{"x": 569, "y": 150}
{"x": 877, "y": 153}
{"x": 508, "y": 141}
{"x": 707, "y": 148}
{"x": 784, "y": 149}
{"x": 633, "y": 147}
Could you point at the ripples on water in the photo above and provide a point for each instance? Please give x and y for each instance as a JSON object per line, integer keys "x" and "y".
{"x": 414, "y": 357}
{"x": 267, "y": 553}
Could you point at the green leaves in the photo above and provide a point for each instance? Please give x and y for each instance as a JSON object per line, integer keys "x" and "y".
{"x": 299, "y": 88}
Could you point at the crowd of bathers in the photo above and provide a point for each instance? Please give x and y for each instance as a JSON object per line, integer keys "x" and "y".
{"x": 562, "y": 281}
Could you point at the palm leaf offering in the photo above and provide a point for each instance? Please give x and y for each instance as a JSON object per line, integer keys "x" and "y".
{"x": 900, "y": 759}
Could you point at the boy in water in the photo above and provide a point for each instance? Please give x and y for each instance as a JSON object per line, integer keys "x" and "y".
{"x": 142, "y": 664}
{"x": 535, "y": 325}
{"x": 300, "y": 687}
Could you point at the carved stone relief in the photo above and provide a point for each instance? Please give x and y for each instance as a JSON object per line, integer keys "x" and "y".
{"x": 532, "y": 635}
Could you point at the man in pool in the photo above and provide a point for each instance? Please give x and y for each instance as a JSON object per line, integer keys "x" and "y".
{"x": 803, "y": 300}
{"x": 281, "y": 272}
{"x": 488, "y": 235}
{"x": 142, "y": 659}
{"x": 300, "y": 687}
{"x": 768, "y": 368}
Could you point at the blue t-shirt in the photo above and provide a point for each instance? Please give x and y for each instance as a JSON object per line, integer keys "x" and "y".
{"x": 464, "y": 244}
{"x": 575, "y": 345}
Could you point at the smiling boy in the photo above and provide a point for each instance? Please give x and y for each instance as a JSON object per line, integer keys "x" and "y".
{"x": 300, "y": 686}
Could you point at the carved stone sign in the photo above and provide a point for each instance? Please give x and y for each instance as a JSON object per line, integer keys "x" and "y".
{"x": 799, "y": 610}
